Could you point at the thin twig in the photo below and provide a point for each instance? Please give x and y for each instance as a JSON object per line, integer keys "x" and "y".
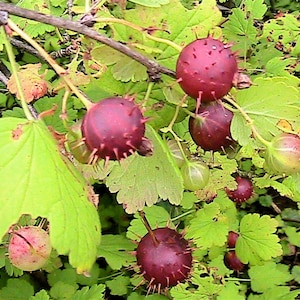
{"x": 24, "y": 46}
{"x": 3, "y": 78}
{"x": 152, "y": 66}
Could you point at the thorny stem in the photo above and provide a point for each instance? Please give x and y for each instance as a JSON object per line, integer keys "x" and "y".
{"x": 12, "y": 60}
{"x": 249, "y": 122}
{"x": 141, "y": 29}
{"x": 148, "y": 227}
{"x": 152, "y": 66}
{"x": 57, "y": 68}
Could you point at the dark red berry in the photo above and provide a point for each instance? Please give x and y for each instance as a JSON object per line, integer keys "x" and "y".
{"x": 205, "y": 69}
{"x": 283, "y": 154}
{"x": 232, "y": 262}
{"x": 212, "y": 130}
{"x": 232, "y": 238}
{"x": 113, "y": 128}
{"x": 164, "y": 257}
{"x": 243, "y": 192}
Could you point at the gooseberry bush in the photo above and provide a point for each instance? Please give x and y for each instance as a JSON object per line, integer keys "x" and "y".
{"x": 149, "y": 149}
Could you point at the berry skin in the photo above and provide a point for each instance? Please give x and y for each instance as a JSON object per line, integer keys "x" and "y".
{"x": 29, "y": 248}
{"x": 205, "y": 69}
{"x": 195, "y": 175}
{"x": 176, "y": 152}
{"x": 283, "y": 154}
{"x": 166, "y": 260}
{"x": 212, "y": 130}
{"x": 243, "y": 192}
{"x": 232, "y": 261}
{"x": 232, "y": 238}
{"x": 113, "y": 128}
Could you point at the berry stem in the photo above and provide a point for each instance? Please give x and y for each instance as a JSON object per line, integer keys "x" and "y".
{"x": 12, "y": 60}
{"x": 249, "y": 121}
{"x": 141, "y": 29}
{"x": 57, "y": 68}
{"x": 148, "y": 227}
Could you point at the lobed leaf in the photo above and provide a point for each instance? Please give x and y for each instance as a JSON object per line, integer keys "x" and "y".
{"x": 16, "y": 289}
{"x": 211, "y": 224}
{"x": 283, "y": 190}
{"x": 151, "y": 3}
{"x": 141, "y": 181}
{"x": 95, "y": 292}
{"x": 157, "y": 216}
{"x": 257, "y": 241}
{"x": 231, "y": 290}
{"x": 116, "y": 250}
{"x": 41, "y": 295}
{"x": 277, "y": 274}
{"x": 37, "y": 180}
{"x": 276, "y": 293}
{"x": 266, "y": 102}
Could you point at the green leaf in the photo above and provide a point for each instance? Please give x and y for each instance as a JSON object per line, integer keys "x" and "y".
{"x": 296, "y": 273}
{"x": 240, "y": 29}
{"x": 205, "y": 280}
{"x": 277, "y": 274}
{"x": 220, "y": 177}
{"x": 124, "y": 68}
{"x": 286, "y": 30}
{"x": 157, "y": 216}
{"x": 231, "y": 290}
{"x": 55, "y": 119}
{"x": 293, "y": 235}
{"x": 37, "y": 180}
{"x": 127, "y": 69}
{"x": 262, "y": 182}
{"x": 41, "y": 295}
{"x": 180, "y": 26}
{"x": 276, "y": 293}
{"x": 95, "y": 292}
{"x": 62, "y": 290}
{"x": 141, "y": 181}
{"x": 257, "y": 240}
{"x": 180, "y": 292}
{"x": 66, "y": 275}
{"x": 150, "y": 3}
{"x": 136, "y": 296}
{"x": 16, "y": 289}
{"x": 256, "y": 8}
{"x": 266, "y": 102}
{"x": 119, "y": 285}
{"x": 116, "y": 251}
{"x": 293, "y": 183}
{"x": 211, "y": 224}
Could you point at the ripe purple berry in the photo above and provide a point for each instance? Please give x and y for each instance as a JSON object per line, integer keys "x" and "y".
{"x": 212, "y": 130}
{"x": 205, "y": 69}
{"x": 164, "y": 258}
{"x": 113, "y": 128}
{"x": 243, "y": 191}
{"x": 232, "y": 261}
{"x": 232, "y": 238}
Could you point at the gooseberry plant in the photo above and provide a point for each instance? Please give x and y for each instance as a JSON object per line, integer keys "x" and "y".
{"x": 149, "y": 149}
